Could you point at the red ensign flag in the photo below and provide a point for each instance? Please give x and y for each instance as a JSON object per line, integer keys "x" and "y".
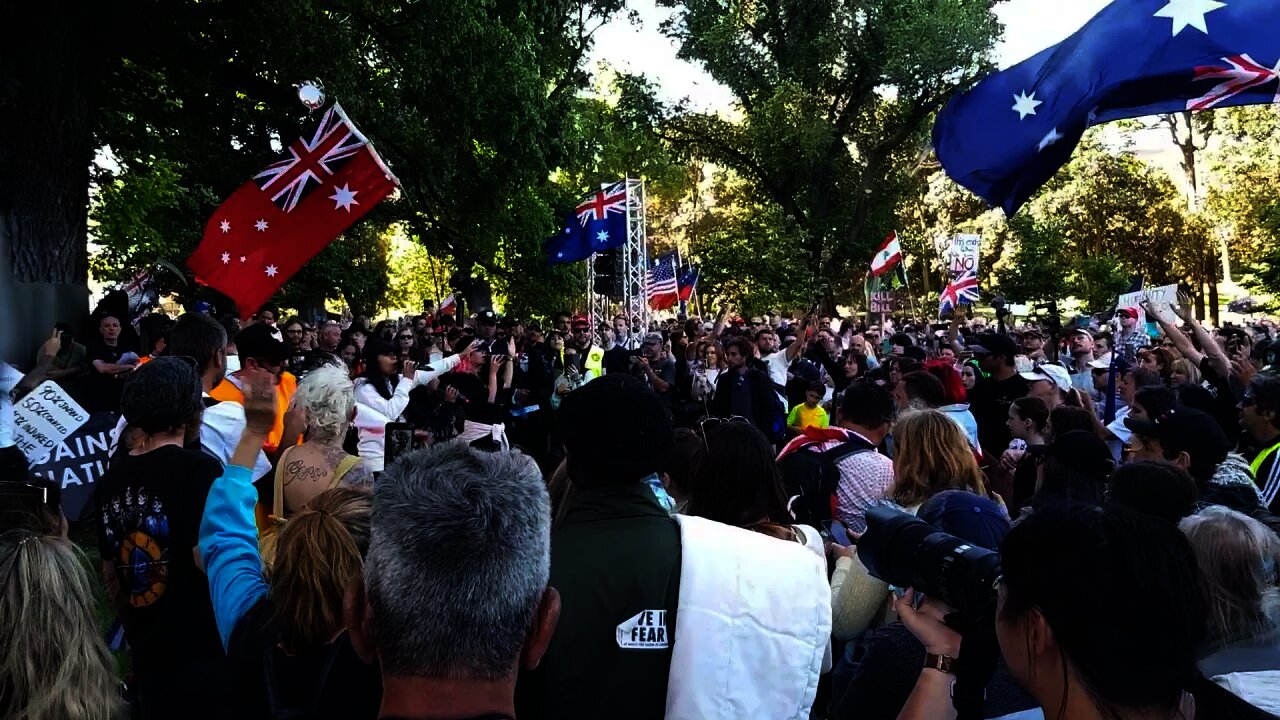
{"x": 273, "y": 224}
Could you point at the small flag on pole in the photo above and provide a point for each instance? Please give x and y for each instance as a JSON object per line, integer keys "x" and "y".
{"x": 664, "y": 289}
{"x": 889, "y": 254}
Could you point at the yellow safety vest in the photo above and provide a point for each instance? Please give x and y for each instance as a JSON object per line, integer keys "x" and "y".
{"x": 1262, "y": 457}
{"x": 595, "y": 361}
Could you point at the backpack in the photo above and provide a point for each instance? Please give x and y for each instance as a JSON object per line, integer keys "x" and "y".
{"x": 811, "y": 477}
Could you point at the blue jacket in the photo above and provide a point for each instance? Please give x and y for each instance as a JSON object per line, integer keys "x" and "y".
{"x": 229, "y": 548}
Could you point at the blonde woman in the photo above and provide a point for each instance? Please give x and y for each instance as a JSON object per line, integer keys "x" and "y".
{"x": 1184, "y": 372}
{"x": 54, "y": 664}
{"x": 327, "y": 397}
{"x": 931, "y": 454}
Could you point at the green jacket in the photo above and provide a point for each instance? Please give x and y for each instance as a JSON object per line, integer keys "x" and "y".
{"x": 615, "y": 561}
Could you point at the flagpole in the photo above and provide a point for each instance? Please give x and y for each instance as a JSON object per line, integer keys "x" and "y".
{"x": 682, "y": 308}
{"x": 906, "y": 282}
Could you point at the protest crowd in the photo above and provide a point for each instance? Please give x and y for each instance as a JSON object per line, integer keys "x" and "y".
{"x": 637, "y": 509}
{"x": 483, "y": 517}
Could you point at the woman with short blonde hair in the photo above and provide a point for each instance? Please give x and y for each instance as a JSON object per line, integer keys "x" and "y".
{"x": 931, "y": 454}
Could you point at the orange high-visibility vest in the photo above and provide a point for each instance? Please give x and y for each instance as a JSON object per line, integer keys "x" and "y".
{"x": 229, "y": 391}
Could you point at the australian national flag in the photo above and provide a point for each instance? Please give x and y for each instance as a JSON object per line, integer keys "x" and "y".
{"x": 1009, "y": 134}
{"x": 598, "y": 223}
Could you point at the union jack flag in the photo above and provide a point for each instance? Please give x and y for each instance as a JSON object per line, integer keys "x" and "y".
{"x": 1243, "y": 75}
{"x": 612, "y": 199}
{"x": 963, "y": 290}
{"x": 307, "y": 163}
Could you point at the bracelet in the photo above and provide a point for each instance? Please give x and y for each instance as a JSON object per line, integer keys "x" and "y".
{"x": 941, "y": 663}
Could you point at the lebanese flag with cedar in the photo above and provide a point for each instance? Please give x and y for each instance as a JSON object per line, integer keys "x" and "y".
{"x": 272, "y": 225}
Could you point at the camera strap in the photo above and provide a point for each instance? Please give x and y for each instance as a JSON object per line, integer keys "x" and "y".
{"x": 979, "y": 652}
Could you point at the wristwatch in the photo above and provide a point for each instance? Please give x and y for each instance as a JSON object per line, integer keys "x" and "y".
{"x": 942, "y": 663}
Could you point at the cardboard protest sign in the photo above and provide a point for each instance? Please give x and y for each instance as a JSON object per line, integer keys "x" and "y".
{"x": 882, "y": 302}
{"x": 44, "y": 418}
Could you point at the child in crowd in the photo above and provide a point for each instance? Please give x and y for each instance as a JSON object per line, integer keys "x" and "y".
{"x": 810, "y": 413}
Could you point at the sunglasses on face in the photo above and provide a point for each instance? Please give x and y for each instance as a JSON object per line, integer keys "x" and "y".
{"x": 406, "y": 337}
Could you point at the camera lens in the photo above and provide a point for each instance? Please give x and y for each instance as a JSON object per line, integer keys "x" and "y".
{"x": 905, "y": 551}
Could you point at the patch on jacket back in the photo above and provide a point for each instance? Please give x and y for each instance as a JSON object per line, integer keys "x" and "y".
{"x": 646, "y": 631}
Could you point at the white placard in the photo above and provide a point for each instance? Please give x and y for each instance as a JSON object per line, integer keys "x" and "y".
{"x": 43, "y": 419}
{"x": 964, "y": 254}
{"x": 1163, "y": 295}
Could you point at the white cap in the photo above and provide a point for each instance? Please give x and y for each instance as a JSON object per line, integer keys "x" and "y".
{"x": 1055, "y": 374}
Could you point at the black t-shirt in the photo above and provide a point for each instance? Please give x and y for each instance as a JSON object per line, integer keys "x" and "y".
{"x": 326, "y": 683}
{"x": 151, "y": 506}
{"x": 1218, "y": 399}
{"x": 989, "y": 402}
{"x": 617, "y": 359}
{"x": 103, "y": 389}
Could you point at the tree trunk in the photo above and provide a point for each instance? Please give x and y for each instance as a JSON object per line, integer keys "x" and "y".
{"x": 44, "y": 170}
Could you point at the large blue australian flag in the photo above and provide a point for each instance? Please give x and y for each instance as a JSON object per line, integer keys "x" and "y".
{"x": 1009, "y": 134}
{"x": 597, "y": 224}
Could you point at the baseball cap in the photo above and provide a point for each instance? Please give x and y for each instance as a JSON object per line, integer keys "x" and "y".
{"x": 652, "y": 338}
{"x": 1079, "y": 450}
{"x": 1082, "y": 331}
{"x": 1104, "y": 363}
{"x": 258, "y": 341}
{"x": 994, "y": 344}
{"x": 1055, "y": 374}
{"x": 972, "y": 518}
{"x": 1185, "y": 429}
{"x": 488, "y": 317}
{"x": 1127, "y": 312}
{"x": 580, "y": 322}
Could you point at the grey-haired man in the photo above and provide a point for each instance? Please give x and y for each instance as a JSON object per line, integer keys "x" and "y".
{"x": 455, "y": 594}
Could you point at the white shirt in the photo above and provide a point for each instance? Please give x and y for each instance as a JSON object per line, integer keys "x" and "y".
{"x": 778, "y": 365}
{"x": 373, "y": 411}
{"x": 220, "y": 429}
{"x": 9, "y": 379}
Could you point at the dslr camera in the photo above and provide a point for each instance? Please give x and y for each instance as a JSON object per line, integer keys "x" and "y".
{"x": 905, "y": 551}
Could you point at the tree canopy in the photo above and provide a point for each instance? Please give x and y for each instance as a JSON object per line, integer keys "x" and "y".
{"x": 834, "y": 98}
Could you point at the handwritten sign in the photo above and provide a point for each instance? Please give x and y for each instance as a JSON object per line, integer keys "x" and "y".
{"x": 882, "y": 302}
{"x": 964, "y": 254}
{"x": 1163, "y": 295}
{"x": 44, "y": 418}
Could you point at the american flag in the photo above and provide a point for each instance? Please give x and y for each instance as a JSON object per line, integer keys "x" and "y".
{"x": 663, "y": 290}
{"x": 612, "y": 199}
{"x": 334, "y": 141}
{"x": 963, "y": 290}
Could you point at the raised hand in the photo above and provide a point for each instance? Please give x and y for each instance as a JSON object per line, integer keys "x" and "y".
{"x": 259, "y": 400}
